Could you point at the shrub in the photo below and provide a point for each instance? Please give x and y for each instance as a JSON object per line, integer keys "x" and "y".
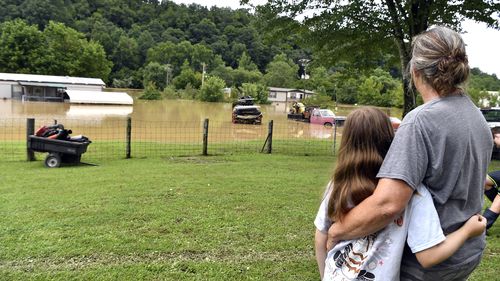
{"x": 151, "y": 92}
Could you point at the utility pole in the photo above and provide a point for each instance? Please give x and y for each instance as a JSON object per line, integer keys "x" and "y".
{"x": 203, "y": 74}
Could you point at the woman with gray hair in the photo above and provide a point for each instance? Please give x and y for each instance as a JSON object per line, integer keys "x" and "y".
{"x": 444, "y": 144}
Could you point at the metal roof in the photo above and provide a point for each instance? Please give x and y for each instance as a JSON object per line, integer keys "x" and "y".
{"x": 277, "y": 89}
{"x": 38, "y": 84}
{"x": 50, "y": 79}
{"x": 95, "y": 97}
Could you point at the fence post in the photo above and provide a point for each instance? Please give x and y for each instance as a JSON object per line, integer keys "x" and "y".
{"x": 205, "y": 137}
{"x": 334, "y": 138}
{"x": 30, "y": 130}
{"x": 270, "y": 137}
{"x": 129, "y": 136}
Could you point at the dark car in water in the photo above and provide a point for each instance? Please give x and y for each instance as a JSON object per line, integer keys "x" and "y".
{"x": 247, "y": 114}
{"x": 492, "y": 116}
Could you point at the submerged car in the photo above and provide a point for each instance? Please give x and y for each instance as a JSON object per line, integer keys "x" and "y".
{"x": 247, "y": 114}
{"x": 492, "y": 116}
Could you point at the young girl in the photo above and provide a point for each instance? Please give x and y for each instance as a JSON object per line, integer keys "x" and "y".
{"x": 366, "y": 139}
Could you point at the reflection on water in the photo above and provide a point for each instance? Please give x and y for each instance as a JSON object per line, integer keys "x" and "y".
{"x": 98, "y": 111}
{"x": 163, "y": 120}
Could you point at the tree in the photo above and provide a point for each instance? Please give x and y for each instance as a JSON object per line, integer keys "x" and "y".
{"x": 281, "y": 72}
{"x": 187, "y": 77}
{"x": 69, "y": 53}
{"x": 380, "y": 89}
{"x": 150, "y": 92}
{"x": 258, "y": 91}
{"x": 213, "y": 89}
{"x": 21, "y": 47}
{"x": 156, "y": 73}
{"x": 360, "y": 31}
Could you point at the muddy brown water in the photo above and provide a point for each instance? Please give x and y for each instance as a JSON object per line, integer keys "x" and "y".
{"x": 165, "y": 120}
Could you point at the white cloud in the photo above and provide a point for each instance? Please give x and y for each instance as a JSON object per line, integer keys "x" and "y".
{"x": 482, "y": 47}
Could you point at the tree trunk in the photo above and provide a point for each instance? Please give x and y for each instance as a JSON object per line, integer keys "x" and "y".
{"x": 409, "y": 101}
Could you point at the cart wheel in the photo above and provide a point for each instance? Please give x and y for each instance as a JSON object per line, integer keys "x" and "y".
{"x": 53, "y": 160}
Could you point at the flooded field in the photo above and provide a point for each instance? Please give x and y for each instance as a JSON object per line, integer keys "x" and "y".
{"x": 154, "y": 120}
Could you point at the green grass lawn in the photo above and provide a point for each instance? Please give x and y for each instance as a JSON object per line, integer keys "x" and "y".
{"x": 234, "y": 217}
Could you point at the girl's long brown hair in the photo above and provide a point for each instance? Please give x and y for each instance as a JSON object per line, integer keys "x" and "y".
{"x": 365, "y": 141}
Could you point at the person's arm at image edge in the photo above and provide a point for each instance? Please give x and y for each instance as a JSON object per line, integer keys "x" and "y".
{"x": 473, "y": 227}
{"x": 375, "y": 212}
{"x": 320, "y": 249}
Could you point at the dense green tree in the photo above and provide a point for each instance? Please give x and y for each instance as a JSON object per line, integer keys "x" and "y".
{"x": 361, "y": 31}
{"x": 213, "y": 89}
{"x": 346, "y": 89}
{"x": 258, "y": 91}
{"x": 380, "y": 89}
{"x": 483, "y": 81}
{"x": 187, "y": 77}
{"x": 246, "y": 63}
{"x": 40, "y": 12}
{"x": 156, "y": 73}
{"x": 281, "y": 72}
{"x": 150, "y": 92}
{"x": 69, "y": 53}
{"x": 58, "y": 50}
{"x": 22, "y": 47}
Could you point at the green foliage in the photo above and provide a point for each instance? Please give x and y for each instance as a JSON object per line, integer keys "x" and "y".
{"x": 483, "y": 81}
{"x": 319, "y": 99}
{"x": 380, "y": 89}
{"x": 259, "y": 92}
{"x": 21, "y": 47}
{"x": 189, "y": 93}
{"x": 281, "y": 72}
{"x": 346, "y": 89}
{"x": 170, "y": 93}
{"x": 479, "y": 96}
{"x": 156, "y": 73}
{"x": 212, "y": 89}
{"x": 364, "y": 32}
{"x": 187, "y": 77}
{"x": 177, "y": 54}
{"x": 58, "y": 50}
{"x": 151, "y": 92}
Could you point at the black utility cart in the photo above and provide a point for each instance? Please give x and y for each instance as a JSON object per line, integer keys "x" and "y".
{"x": 60, "y": 151}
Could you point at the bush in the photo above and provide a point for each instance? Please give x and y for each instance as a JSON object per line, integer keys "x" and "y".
{"x": 151, "y": 92}
{"x": 189, "y": 93}
{"x": 170, "y": 93}
{"x": 213, "y": 89}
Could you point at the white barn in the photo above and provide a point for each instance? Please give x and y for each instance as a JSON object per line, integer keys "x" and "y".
{"x": 287, "y": 94}
{"x": 57, "y": 88}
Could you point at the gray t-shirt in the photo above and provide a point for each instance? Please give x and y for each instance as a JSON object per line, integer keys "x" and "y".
{"x": 446, "y": 145}
{"x": 378, "y": 256}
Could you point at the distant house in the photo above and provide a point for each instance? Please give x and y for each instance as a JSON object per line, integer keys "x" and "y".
{"x": 32, "y": 87}
{"x": 288, "y": 94}
{"x": 487, "y": 102}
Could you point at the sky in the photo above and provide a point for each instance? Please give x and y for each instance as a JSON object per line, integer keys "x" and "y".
{"x": 483, "y": 44}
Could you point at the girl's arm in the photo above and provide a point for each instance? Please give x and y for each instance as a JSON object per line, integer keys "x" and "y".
{"x": 475, "y": 226}
{"x": 320, "y": 247}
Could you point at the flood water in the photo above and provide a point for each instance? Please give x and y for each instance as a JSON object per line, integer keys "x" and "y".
{"x": 169, "y": 117}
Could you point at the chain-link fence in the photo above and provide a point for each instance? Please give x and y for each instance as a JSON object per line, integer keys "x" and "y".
{"x": 117, "y": 139}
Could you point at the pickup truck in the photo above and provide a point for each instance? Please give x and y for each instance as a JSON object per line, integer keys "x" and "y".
{"x": 315, "y": 115}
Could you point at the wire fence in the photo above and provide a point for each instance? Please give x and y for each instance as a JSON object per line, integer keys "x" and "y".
{"x": 123, "y": 138}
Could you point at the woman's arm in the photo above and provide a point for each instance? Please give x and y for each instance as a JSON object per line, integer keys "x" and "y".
{"x": 320, "y": 247}
{"x": 475, "y": 226}
{"x": 374, "y": 213}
